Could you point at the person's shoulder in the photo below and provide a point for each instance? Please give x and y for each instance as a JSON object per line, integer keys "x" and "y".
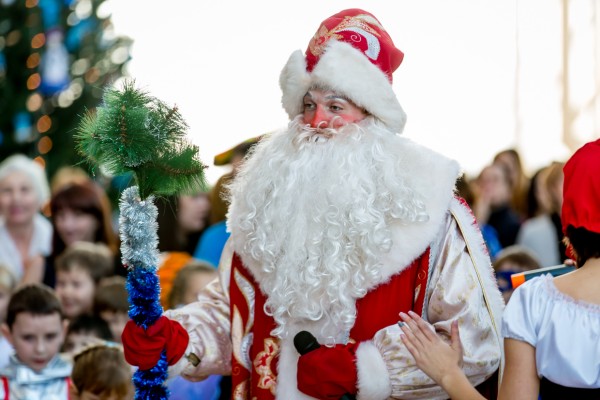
{"x": 218, "y": 229}
{"x": 533, "y": 291}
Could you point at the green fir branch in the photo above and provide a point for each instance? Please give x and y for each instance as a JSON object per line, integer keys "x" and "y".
{"x": 134, "y": 132}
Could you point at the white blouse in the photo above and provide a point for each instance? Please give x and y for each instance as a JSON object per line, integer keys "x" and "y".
{"x": 565, "y": 332}
{"x": 41, "y": 244}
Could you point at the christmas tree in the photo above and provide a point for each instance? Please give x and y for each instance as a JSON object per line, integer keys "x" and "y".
{"x": 56, "y": 58}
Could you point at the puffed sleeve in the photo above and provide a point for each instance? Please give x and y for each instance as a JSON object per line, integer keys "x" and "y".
{"x": 454, "y": 292}
{"x": 208, "y": 325}
{"x": 521, "y": 316}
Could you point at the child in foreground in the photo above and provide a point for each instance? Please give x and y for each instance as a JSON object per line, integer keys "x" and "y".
{"x": 101, "y": 372}
{"x": 36, "y": 329}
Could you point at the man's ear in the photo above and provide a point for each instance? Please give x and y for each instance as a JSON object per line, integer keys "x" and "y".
{"x": 6, "y": 333}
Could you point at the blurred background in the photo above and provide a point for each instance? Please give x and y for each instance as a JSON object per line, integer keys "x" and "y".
{"x": 477, "y": 77}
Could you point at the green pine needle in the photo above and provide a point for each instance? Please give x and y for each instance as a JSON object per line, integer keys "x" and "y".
{"x": 134, "y": 132}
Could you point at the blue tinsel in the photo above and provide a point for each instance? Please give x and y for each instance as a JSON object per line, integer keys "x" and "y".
{"x": 140, "y": 254}
{"x": 149, "y": 383}
{"x": 144, "y": 292}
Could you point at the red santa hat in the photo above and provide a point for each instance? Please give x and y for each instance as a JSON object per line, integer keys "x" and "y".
{"x": 581, "y": 189}
{"x": 353, "y": 55}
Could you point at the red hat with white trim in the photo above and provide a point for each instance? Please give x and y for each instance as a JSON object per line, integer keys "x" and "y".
{"x": 352, "y": 55}
{"x": 581, "y": 189}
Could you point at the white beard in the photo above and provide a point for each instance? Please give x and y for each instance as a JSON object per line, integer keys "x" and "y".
{"x": 310, "y": 216}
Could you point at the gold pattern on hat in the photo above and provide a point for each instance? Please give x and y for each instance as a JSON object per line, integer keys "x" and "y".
{"x": 323, "y": 35}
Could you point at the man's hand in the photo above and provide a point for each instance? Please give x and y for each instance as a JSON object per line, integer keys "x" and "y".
{"x": 328, "y": 372}
{"x": 143, "y": 347}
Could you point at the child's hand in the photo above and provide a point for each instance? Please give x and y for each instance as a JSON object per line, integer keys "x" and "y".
{"x": 435, "y": 357}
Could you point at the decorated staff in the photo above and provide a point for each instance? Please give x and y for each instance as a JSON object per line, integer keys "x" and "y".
{"x": 132, "y": 132}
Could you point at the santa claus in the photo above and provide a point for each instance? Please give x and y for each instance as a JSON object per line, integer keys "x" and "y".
{"x": 337, "y": 225}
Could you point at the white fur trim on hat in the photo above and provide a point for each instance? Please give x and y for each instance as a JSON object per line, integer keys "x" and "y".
{"x": 347, "y": 71}
{"x": 373, "y": 377}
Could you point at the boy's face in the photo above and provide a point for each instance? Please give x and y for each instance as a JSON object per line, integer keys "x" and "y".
{"x": 75, "y": 290}
{"x": 36, "y": 338}
{"x": 77, "y": 341}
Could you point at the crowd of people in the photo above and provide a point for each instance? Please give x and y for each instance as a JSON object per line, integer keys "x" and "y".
{"x": 336, "y": 225}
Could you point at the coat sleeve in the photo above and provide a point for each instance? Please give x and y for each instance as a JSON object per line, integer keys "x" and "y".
{"x": 458, "y": 289}
{"x": 207, "y": 322}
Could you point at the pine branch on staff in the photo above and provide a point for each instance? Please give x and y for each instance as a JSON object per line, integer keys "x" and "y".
{"x": 134, "y": 132}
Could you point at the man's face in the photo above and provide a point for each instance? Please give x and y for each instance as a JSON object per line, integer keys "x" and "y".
{"x": 327, "y": 109}
{"x": 36, "y": 338}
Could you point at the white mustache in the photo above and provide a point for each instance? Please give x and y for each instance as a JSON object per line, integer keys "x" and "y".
{"x": 320, "y": 134}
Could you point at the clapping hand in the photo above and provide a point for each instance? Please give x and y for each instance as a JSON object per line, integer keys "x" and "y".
{"x": 434, "y": 356}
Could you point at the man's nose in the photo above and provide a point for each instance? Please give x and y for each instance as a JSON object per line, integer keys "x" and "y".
{"x": 319, "y": 118}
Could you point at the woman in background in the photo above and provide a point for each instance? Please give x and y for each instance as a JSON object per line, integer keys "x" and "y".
{"x": 25, "y": 234}
{"x": 80, "y": 212}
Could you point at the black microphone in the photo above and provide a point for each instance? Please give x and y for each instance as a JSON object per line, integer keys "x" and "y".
{"x": 305, "y": 342}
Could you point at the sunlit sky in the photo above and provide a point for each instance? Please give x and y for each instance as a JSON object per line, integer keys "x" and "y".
{"x": 219, "y": 62}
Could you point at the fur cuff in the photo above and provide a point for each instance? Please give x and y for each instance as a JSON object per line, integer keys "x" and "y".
{"x": 373, "y": 378}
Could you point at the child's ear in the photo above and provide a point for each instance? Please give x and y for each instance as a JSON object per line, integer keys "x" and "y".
{"x": 6, "y": 333}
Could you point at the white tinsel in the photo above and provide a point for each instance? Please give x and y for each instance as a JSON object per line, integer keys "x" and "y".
{"x": 138, "y": 230}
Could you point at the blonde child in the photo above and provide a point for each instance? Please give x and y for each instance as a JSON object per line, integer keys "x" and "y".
{"x": 7, "y": 284}
{"x": 101, "y": 372}
{"x": 36, "y": 329}
{"x": 79, "y": 269}
{"x": 189, "y": 281}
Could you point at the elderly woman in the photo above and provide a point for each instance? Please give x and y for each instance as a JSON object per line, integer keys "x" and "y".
{"x": 25, "y": 235}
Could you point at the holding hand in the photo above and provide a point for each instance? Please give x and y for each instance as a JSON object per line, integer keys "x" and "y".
{"x": 328, "y": 372}
{"x": 143, "y": 347}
